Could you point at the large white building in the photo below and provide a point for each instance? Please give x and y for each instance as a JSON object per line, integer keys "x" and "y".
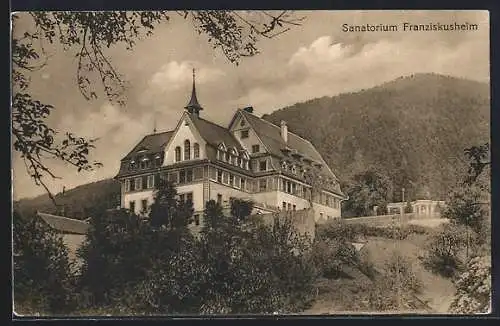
{"x": 249, "y": 159}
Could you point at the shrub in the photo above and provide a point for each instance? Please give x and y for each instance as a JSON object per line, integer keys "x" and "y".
{"x": 330, "y": 256}
{"x": 444, "y": 251}
{"x": 395, "y": 287}
{"x": 473, "y": 288}
{"x": 42, "y": 271}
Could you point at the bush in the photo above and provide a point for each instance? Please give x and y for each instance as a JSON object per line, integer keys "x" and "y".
{"x": 330, "y": 256}
{"x": 473, "y": 288}
{"x": 43, "y": 283}
{"x": 395, "y": 287}
{"x": 445, "y": 251}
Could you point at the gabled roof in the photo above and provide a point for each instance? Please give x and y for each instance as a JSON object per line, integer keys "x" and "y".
{"x": 270, "y": 135}
{"x": 150, "y": 144}
{"x": 64, "y": 224}
{"x": 215, "y": 134}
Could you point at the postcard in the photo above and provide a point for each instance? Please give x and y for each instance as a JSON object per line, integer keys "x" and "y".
{"x": 199, "y": 163}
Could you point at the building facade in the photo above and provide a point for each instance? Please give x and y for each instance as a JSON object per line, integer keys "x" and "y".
{"x": 420, "y": 208}
{"x": 250, "y": 159}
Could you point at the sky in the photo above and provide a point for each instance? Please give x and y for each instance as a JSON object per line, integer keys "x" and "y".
{"x": 309, "y": 61}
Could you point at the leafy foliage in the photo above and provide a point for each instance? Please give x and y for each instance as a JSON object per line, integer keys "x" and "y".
{"x": 473, "y": 288}
{"x": 463, "y": 207}
{"x": 367, "y": 189}
{"x": 168, "y": 211}
{"x": 42, "y": 270}
{"x": 445, "y": 251}
{"x": 399, "y": 284}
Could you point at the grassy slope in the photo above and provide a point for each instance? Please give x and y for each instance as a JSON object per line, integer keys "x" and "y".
{"x": 437, "y": 292}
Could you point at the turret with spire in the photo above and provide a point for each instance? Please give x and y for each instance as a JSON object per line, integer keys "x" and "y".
{"x": 193, "y": 106}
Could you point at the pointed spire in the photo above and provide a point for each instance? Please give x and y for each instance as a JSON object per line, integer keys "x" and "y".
{"x": 193, "y": 105}
{"x": 154, "y": 123}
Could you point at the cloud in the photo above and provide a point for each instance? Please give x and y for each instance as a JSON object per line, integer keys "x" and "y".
{"x": 174, "y": 75}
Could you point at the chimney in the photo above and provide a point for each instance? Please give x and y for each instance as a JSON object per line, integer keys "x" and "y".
{"x": 284, "y": 131}
{"x": 248, "y": 109}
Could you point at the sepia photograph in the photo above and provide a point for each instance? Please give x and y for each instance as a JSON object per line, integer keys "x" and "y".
{"x": 222, "y": 163}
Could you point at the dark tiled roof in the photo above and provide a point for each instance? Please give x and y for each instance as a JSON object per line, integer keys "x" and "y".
{"x": 151, "y": 144}
{"x": 270, "y": 135}
{"x": 64, "y": 224}
{"x": 215, "y": 134}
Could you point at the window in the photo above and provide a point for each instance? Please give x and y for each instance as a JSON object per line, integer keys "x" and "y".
{"x": 237, "y": 182}
{"x": 244, "y": 134}
{"x": 197, "y": 219}
{"x": 231, "y": 180}
{"x": 173, "y": 177}
{"x": 219, "y": 199}
{"x": 226, "y": 158}
{"x": 182, "y": 198}
{"x": 158, "y": 160}
{"x": 131, "y": 165}
{"x": 283, "y": 166}
{"x": 294, "y": 207}
{"x": 284, "y": 206}
{"x": 225, "y": 177}
{"x": 294, "y": 169}
{"x": 288, "y": 187}
{"x": 289, "y": 206}
{"x": 262, "y": 185}
{"x": 198, "y": 173}
{"x": 189, "y": 197}
{"x": 189, "y": 175}
{"x": 247, "y": 167}
{"x": 131, "y": 206}
{"x": 219, "y": 176}
{"x": 151, "y": 181}
{"x": 242, "y": 122}
{"x": 262, "y": 165}
{"x": 138, "y": 183}
{"x": 320, "y": 215}
{"x": 255, "y": 148}
{"x": 243, "y": 180}
{"x": 196, "y": 150}
{"x": 187, "y": 150}
{"x": 127, "y": 185}
{"x": 177, "y": 154}
{"x": 182, "y": 176}
{"x": 294, "y": 188}
{"x": 144, "y": 205}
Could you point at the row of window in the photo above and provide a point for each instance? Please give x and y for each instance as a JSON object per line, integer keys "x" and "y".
{"x": 140, "y": 183}
{"x": 187, "y": 151}
{"x": 229, "y": 179}
{"x": 289, "y": 206}
{"x": 296, "y": 189}
{"x": 181, "y": 197}
{"x": 145, "y": 162}
{"x": 177, "y": 177}
{"x": 233, "y": 159}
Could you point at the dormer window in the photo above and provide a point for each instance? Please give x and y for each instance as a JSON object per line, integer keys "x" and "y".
{"x": 294, "y": 169}
{"x": 242, "y": 123}
{"x": 283, "y": 166}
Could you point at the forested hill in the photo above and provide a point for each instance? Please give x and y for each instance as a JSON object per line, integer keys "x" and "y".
{"x": 77, "y": 202}
{"x": 413, "y": 129}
